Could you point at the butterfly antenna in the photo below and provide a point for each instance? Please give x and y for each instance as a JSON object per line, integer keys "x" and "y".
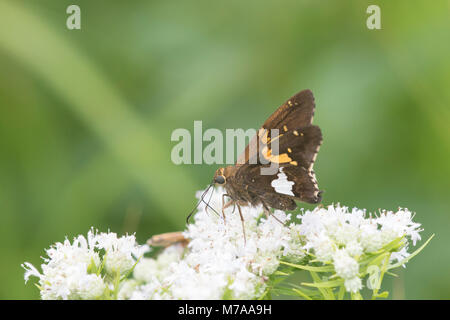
{"x": 207, "y": 204}
{"x": 198, "y": 203}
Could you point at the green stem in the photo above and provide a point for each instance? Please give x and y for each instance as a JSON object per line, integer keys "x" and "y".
{"x": 341, "y": 293}
{"x": 322, "y": 286}
{"x": 383, "y": 271}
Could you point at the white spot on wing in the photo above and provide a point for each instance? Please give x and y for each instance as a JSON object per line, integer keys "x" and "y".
{"x": 282, "y": 184}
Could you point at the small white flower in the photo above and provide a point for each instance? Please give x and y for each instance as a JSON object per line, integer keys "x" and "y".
{"x": 30, "y": 271}
{"x": 345, "y": 266}
{"x": 148, "y": 268}
{"x": 145, "y": 270}
{"x": 72, "y": 270}
{"x": 120, "y": 253}
{"x": 354, "y": 248}
{"x": 151, "y": 290}
{"x": 127, "y": 289}
{"x": 399, "y": 255}
{"x": 90, "y": 286}
{"x": 353, "y": 284}
{"x": 65, "y": 272}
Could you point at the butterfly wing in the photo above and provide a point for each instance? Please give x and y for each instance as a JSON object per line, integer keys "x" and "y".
{"x": 295, "y": 177}
{"x": 298, "y": 145}
{"x": 296, "y": 112}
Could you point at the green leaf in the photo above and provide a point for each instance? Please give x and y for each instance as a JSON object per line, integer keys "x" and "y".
{"x": 324, "y": 284}
{"x": 391, "y": 274}
{"x": 281, "y": 273}
{"x": 394, "y": 244}
{"x": 356, "y": 296}
{"x": 383, "y": 294}
{"x": 263, "y": 295}
{"x": 302, "y": 294}
{"x": 310, "y": 292}
{"x": 309, "y": 268}
{"x": 39, "y": 287}
{"x": 412, "y": 255}
{"x": 131, "y": 270}
{"x": 341, "y": 293}
{"x": 92, "y": 268}
{"x": 376, "y": 256}
{"x": 325, "y": 291}
{"x": 102, "y": 265}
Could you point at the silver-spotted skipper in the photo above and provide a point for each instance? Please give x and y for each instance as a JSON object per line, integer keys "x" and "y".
{"x": 294, "y": 179}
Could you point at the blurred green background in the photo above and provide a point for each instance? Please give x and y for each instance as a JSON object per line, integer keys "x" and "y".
{"x": 86, "y": 115}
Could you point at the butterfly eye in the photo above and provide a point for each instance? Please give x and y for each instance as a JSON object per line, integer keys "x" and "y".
{"x": 219, "y": 180}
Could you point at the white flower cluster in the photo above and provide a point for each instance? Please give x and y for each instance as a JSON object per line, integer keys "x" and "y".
{"x": 337, "y": 235}
{"x": 220, "y": 262}
{"x": 225, "y": 259}
{"x": 84, "y": 269}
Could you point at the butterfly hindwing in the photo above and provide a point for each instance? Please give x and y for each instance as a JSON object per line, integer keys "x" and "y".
{"x": 295, "y": 177}
{"x": 281, "y": 189}
{"x": 261, "y": 187}
{"x": 305, "y": 186}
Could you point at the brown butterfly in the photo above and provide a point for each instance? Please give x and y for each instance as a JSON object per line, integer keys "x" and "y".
{"x": 298, "y": 142}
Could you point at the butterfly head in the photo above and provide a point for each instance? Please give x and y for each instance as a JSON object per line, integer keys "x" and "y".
{"x": 219, "y": 177}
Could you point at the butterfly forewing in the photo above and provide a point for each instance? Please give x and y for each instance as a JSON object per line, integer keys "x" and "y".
{"x": 298, "y": 142}
{"x": 298, "y": 111}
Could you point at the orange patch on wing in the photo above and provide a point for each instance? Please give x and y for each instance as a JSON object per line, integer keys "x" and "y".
{"x": 275, "y": 138}
{"x": 282, "y": 158}
{"x": 263, "y": 134}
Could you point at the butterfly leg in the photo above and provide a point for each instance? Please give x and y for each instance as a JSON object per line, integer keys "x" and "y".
{"x": 269, "y": 213}
{"x": 226, "y": 205}
{"x": 242, "y": 221}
